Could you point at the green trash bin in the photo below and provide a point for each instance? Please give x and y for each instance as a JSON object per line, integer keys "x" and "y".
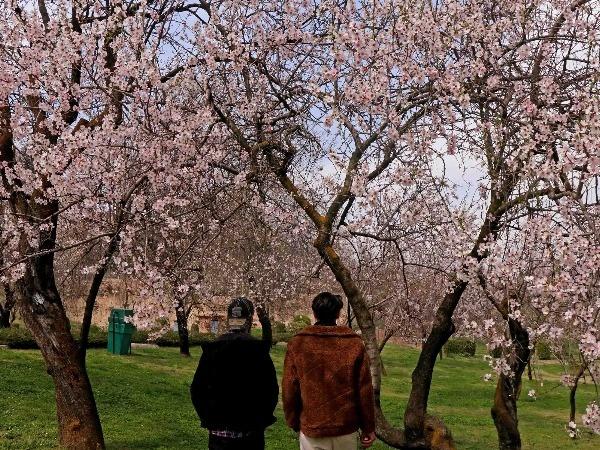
{"x": 120, "y": 331}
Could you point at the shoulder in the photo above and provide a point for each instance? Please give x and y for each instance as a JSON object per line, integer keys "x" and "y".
{"x": 229, "y": 336}
{"x": 299, "y": 342}
{"x": 293, "y": 343}
{"x": 354, "y": 342}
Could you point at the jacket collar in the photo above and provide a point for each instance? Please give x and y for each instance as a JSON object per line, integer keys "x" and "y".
{"x": 327, "y": 331}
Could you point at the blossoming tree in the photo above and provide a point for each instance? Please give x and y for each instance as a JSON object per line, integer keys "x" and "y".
{"x": 87, "y": 131}
{"x": 338, "y": 100}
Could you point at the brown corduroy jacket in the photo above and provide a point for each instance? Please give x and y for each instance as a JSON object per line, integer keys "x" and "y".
{"x": 327, "y": 387}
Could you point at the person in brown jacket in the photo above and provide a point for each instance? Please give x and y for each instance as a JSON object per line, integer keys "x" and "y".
{"x": 327, "y": 390}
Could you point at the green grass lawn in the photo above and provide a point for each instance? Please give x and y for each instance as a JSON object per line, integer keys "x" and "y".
{"x": 144, "y": 403}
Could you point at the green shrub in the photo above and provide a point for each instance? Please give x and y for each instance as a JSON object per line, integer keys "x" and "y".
{"x": 570, "y": 349}
{"x": 278, "y": 336}
{"x": 299, "y": 322}
{"x": 282, "y": 337}
{"x": 566, "y": 349}
{"x": 543, "y": 351}
{"x": 461, "y": 346}
{"x": 201, "y": 338}
{"x": 18, "y": 338}
{"x": 195, "y": 330}
{"x": 256, "y": 332}
{"x": 279, "y": 327}
{"x": 171, "y": 339}
{"x": 21, "y": 338}
{"x": 140, "y": 336}
{"x": 98, "y": 338}
{"x": 496, "y": 352}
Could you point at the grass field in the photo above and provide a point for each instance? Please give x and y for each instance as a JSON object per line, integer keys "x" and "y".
{"x": 144, "y": 403}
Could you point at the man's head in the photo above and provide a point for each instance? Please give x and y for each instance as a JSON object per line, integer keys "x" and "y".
{"x": 239, "y": 314}
{"x": 326, "y": 307}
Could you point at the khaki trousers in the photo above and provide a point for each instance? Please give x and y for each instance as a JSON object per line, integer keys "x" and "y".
{"x": 345, "y": 442}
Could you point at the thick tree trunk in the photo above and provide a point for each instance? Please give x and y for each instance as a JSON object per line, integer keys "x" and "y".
{"x": 42, "y": 310}
{"x": 182, "y": 330}
{"x": 44, "y": 316}
{"x": 441, "y": 330}
{"x": 504, "y": 411}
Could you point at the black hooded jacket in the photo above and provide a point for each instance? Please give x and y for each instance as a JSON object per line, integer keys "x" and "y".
{"x": 235, "y": 386}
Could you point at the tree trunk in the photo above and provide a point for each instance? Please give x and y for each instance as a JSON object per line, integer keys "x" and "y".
{"x": 349, "y": 312}
{"x": 4, "y": 318}
{"x": 7, "y": 309}
{"x": 44, "y": 315}
{"x": 182, "y": 330}
{"x": 40, "y": 305}
{"x": 529, "y": 372}
{"x": 441, "y": 330}
{"x": 573, "y": 391}
{"x": 90, "y": 301}
{"x": 504, "y": 411}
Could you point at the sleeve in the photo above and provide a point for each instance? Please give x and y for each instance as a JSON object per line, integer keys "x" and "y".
{"x": 199, "y": 386}
{"x": 292, "y": 401}
{"x": 268, "y": 380}
{"x": 366, "y": 400}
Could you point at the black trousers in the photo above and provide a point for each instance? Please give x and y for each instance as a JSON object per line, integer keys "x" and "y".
{"x": 255, "y": 442}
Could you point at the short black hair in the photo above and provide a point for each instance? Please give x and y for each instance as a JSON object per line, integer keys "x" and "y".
{"x": 326, "y": 306}
{"x": 240, "y": 308}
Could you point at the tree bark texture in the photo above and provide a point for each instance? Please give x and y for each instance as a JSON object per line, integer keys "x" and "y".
{"x": 44, "y": 316}
{"x": 504, "y": 411}
{"x": 573, "y": 392}
{"x": 90, "y": 301}
{"x": 6, "y": 311}
{"x": 182, "y": 330}
{"x": 40, "y": 305}
{"x": 441, "y": 330}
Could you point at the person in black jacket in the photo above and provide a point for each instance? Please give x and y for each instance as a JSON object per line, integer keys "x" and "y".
{"x": 235, "y": 388}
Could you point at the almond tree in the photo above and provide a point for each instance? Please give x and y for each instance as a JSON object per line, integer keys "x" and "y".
{"x": 86, "y": 129}
{"x": 544, "y": 283}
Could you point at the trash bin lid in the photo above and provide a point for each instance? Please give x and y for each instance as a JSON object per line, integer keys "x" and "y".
{"x": 119, "y": 314}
